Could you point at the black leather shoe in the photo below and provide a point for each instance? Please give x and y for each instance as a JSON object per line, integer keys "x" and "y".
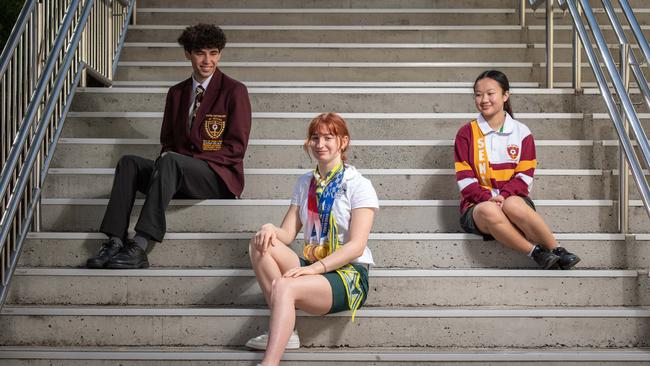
{"x": 106, "y": 252}
{"x": 567, "y": 259}
{"x": 130, "y": 257}
{"x": 544, "y": 258}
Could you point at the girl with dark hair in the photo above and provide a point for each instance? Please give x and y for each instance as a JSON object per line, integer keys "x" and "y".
{"x": 336, "y": 206}
{"x": 494, "y": 162}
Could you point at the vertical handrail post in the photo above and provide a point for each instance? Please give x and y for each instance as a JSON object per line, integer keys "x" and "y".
{"x": 37, "y": 65}
{"x": 577, "y": 57}
{"x": 623, "y": 167}
{"x": 522, "y": 13}
{"x": 134, "y": 13}
{"x": 549, "y": 43}
{"x": 85, "y": 45}
{"x": 110, "y": 46}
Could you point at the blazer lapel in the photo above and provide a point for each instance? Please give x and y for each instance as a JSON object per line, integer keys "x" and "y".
{"x": 184, "y": 104}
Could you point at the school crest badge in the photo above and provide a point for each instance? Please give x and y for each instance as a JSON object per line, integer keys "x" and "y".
{"x": 513, "y": 151}
{"x": 214, "y": 125}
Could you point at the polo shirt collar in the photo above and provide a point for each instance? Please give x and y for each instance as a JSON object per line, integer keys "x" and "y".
{"x": 508, "y": 125}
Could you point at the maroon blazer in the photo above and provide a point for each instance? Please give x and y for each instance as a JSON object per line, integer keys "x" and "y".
{"x": 220, "y": 131}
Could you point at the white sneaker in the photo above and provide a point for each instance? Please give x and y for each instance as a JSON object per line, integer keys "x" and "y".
{"x": 262, "y": 340}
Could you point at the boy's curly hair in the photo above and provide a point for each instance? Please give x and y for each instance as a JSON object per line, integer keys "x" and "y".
{"x": 200, "y": 36}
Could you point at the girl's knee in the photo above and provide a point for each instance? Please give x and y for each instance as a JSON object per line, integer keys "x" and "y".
{"x": 253, "y": 253}
{"x": 256, "y": 255}
{"x": 515, "y": 206}
{"x": 281, "y": 288}
{"x": 489, "y": 212}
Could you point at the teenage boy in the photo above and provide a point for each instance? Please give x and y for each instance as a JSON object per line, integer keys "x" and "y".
{"x": 204, "y": 135}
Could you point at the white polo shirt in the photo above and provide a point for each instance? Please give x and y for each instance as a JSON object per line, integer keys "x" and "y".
{"x": 358, "y": 192}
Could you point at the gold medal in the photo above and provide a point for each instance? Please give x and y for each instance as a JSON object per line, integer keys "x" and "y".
{"x": 314, "y": 252}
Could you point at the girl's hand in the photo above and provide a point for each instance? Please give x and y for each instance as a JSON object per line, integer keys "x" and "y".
{"x": 498, "y": 200}
{"x": 302, "y": 271}
{"x": 265, "y": 237}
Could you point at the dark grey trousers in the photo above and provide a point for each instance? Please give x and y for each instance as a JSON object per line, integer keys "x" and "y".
{"x": 170, "y": 176}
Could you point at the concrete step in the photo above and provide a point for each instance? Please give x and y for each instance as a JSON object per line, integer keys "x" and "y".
{"x": 237, "y": 287}
{"x": 359, "y": 16}
{"x": 465, "y": 33}
{"x": 308, "y": 4}
{"x": 545, "y": 126}
{"x": 395, "y": 327}
{"x": 589, "y": 88}
{"x": 359, "y": 52}
{"x": 352, "y": 71}
{"x": 350, "y": 100}
{"x": 395, "y": 216}
{"x": 389, "y": 183}
{"x": 363, "y": 126}
{"x": 330, "y": 17}
{"x": 341, "y": 84}
{"x": 355, "y": 4}
{"x": 353, "y": 52}
{"x": 414, "y": 250}
{"x": 367, "y": 154}
{"x": 388, "y": 356}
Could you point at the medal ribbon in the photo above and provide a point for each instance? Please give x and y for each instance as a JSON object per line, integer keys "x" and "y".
{"x": 321, "y": 233}
{"x": 322, "y": 192}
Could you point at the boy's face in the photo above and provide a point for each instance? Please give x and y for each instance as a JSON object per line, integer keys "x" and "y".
{"x": 204, "y": 62}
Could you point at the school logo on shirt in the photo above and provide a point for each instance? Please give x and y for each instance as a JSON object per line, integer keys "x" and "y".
{"x": 513, "y": 151}
{"x": 214, "y": 125}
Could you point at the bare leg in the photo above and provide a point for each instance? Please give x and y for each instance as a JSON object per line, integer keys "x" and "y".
{"x": 270, "y": 266}
{"x": 529, "y": 221}
{"x": 491, "y": 219}
{"x": 312, "y": 294}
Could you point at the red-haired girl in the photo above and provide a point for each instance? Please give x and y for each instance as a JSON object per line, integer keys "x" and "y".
{"x": 335, "y": 206}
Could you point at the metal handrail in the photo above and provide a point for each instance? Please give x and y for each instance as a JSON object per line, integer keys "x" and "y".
{"x": 635, "y": 65}
{"x": 626, "y": 118}
{"x": 34, "y": 108}
{"x": 75, "y": 36}
{"x": 636, "y": 29}
{"x": 15, "y": 35}
{"x": 628, "y": 110}
{"x": 614, "y": 75}
{"x": 628, "y": 61}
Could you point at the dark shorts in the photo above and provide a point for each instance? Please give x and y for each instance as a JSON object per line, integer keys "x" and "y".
{"x": 467, "y": 220}
{"x": 339, "y": 295}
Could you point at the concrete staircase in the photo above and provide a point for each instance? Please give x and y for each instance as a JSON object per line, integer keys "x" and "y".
{"x": 401, "y": 74}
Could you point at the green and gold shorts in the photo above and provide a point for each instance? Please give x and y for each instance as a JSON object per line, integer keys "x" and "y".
{"x": 339, "y": 294}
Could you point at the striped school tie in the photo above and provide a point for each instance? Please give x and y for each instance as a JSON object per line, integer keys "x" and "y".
{"x": 197, "y": 103}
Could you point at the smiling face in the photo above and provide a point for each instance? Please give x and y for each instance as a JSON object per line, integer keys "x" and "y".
{"x": 327, "y": 147}
{"x": 489, "y": 98}
{"x": 204, "y": 62}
